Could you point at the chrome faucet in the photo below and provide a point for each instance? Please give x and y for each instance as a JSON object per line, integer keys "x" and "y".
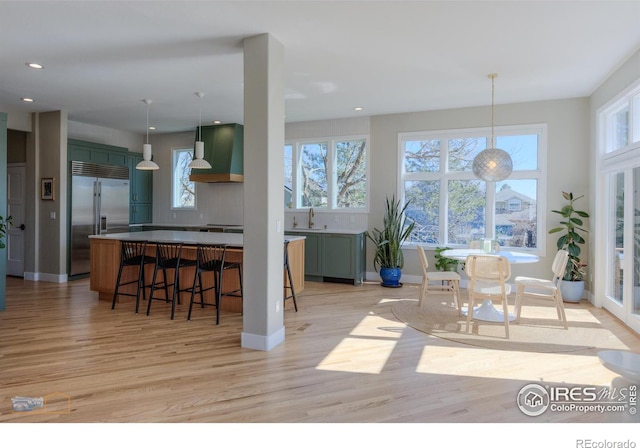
{"x": 311, "y": 217}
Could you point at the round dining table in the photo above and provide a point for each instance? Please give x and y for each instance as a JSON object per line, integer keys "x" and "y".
{"x": 486, "y": 311}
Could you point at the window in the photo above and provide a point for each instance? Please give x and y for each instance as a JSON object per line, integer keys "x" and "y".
{"x": 621, "y": 122}
{"x": 184, "y": 191}
{"x": 452, "y": 207}
{"x": 326, "y": 174}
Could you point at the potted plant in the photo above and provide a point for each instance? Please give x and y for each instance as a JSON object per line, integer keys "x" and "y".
{"x": 443, "y": 263}
{"x": 388, "y": 241}
{"x": 572, "y": 286}
{"x": 4, "y": 227}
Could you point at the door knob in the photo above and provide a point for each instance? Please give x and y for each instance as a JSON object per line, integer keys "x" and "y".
{"x": 21, "y": 226}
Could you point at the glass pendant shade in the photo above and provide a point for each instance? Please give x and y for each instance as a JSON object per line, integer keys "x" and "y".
{"x": 147, "y": 163}
{"x": 198, "y": 162}
{"x": 492, "y": 165}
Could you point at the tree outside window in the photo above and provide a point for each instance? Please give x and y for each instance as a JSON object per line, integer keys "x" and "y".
{"x": 450, "y": 206}
{"x": 330, "y": 174}
{"x": 184, "y": 190}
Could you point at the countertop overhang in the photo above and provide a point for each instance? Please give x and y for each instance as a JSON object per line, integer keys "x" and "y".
{"x": 183, "y": 236}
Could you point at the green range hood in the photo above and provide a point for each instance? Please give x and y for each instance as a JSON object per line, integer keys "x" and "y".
{"x": 224, "y": 150}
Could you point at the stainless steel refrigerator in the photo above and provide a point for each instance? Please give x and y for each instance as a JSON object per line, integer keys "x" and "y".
{"x": 99, "y": 205}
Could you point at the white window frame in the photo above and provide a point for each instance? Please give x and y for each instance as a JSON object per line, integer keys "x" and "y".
{"x": 174, "y": 151}
{"x": 539, "y": 174}
{"x": 331, "y": 143}
{"x": 630, "y": 97}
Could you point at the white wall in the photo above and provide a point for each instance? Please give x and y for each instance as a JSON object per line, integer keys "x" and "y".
{"x": 219, "y": 203}
{"x": 107, "y": 136}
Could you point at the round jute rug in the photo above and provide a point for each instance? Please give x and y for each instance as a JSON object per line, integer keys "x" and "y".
{"x": 538, "y": 330}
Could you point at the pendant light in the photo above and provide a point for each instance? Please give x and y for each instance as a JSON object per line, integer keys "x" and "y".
{"x": 147, "y": 163}
{"x": 199, "y": 162}
{"x": 492, "y": 164}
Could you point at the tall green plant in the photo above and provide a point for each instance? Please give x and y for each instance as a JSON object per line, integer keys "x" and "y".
{"x": 570, "y": 238}
{"x": 4, "y": 227}
{"x": 388, "y": 240}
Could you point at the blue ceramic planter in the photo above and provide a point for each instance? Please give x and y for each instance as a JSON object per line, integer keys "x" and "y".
{"x": 391, "y": 277}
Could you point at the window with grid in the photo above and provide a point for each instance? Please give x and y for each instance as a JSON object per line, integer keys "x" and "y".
{"x": 452, "y": 207}
{"x": 327, "y": 174}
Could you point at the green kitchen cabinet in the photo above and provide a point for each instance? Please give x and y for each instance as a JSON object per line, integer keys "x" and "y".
{"x": 140, "y": 191}
{"x": 343, "y": 257}
{"x": 333, "y": 257}
{"x": 83, "y": 151}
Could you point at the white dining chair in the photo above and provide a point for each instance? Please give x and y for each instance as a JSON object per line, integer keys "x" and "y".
{"x": 540, "y": 288}
{"x": 488, "y": 275}
{"x": 449, "y": 281}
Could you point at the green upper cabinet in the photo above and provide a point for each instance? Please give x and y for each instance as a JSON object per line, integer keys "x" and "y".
{"x": 141, "y": 191}
{"x": 83, "y": 151}
{"x": 141, "y": 180}
{"x": 224, "y": 150}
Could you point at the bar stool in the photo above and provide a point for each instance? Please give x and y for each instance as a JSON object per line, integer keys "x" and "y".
{"x": 288, "y": 272}
{"x": 169, "y": 256}
{"x": 211, "y": 258}
{"x": 132, "y": 253}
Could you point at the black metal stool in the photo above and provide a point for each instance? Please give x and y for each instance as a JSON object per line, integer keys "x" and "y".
{"x": 288, "y": 271}
{"x": 211, "y": 258}
{"x": 169, "y": 256}
{"x": 132, "y": 253}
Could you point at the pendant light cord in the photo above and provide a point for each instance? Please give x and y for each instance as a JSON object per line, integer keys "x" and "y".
{"x": 492, "y": 76}
{"x": 147, "y": 122}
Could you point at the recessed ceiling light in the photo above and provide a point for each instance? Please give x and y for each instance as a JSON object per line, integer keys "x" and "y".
{"x": 27, "y": 100}
{"x": 34, "y": 65}
{"x": 216, "y": 122}
{"x": 358, "y": 108}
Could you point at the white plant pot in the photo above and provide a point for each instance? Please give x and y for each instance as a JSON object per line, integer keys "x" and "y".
{"x": 572, "y": 291}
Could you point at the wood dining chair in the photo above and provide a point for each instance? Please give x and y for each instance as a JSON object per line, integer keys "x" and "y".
{"x": 540, "y": 288}
{"x": 449, "y": 281}
{"x": 488, "y": 275}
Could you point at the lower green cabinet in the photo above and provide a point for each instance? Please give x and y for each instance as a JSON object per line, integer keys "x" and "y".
{"x": 334, "y": 257}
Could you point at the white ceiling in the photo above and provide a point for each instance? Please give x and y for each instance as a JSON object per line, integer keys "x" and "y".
{"x": 103, "y": 58}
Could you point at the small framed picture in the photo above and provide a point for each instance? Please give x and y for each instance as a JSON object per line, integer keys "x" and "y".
{"x": 47, "y": 189}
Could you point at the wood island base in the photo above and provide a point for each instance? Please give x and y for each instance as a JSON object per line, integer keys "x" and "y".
{"x": 105, "y": 262}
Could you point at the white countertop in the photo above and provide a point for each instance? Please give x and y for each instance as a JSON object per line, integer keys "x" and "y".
{"x": 328, "y": 230}
{"x": 181, "y": 236}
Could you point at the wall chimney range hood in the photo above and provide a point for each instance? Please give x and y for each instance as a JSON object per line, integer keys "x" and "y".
{"x": 224, "y": 150}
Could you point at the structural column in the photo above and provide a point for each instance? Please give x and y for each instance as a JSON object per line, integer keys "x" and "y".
{"x": 263, "y": 326}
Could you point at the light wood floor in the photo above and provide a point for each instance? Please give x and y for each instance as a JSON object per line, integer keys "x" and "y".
{"x": 345, "y": 359}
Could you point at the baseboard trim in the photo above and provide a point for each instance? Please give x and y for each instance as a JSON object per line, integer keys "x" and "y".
{"x": 262, "y": 342}
{"x": 44, "y": 277}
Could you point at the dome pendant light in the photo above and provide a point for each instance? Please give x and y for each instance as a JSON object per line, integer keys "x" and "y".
{"x": 492, "y": 164}
{"x": 147, "y": 163}
{"x": 199, "y": 162}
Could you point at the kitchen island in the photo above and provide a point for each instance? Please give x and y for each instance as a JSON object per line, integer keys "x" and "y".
{"x": 105, "y": 261}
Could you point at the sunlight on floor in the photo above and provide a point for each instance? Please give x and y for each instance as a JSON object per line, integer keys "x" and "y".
{"x": 478, "y": 362}
{"x": 366, "y": 349}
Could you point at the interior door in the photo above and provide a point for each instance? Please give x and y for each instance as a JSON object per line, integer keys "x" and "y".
{"x": 15, "y": 209}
